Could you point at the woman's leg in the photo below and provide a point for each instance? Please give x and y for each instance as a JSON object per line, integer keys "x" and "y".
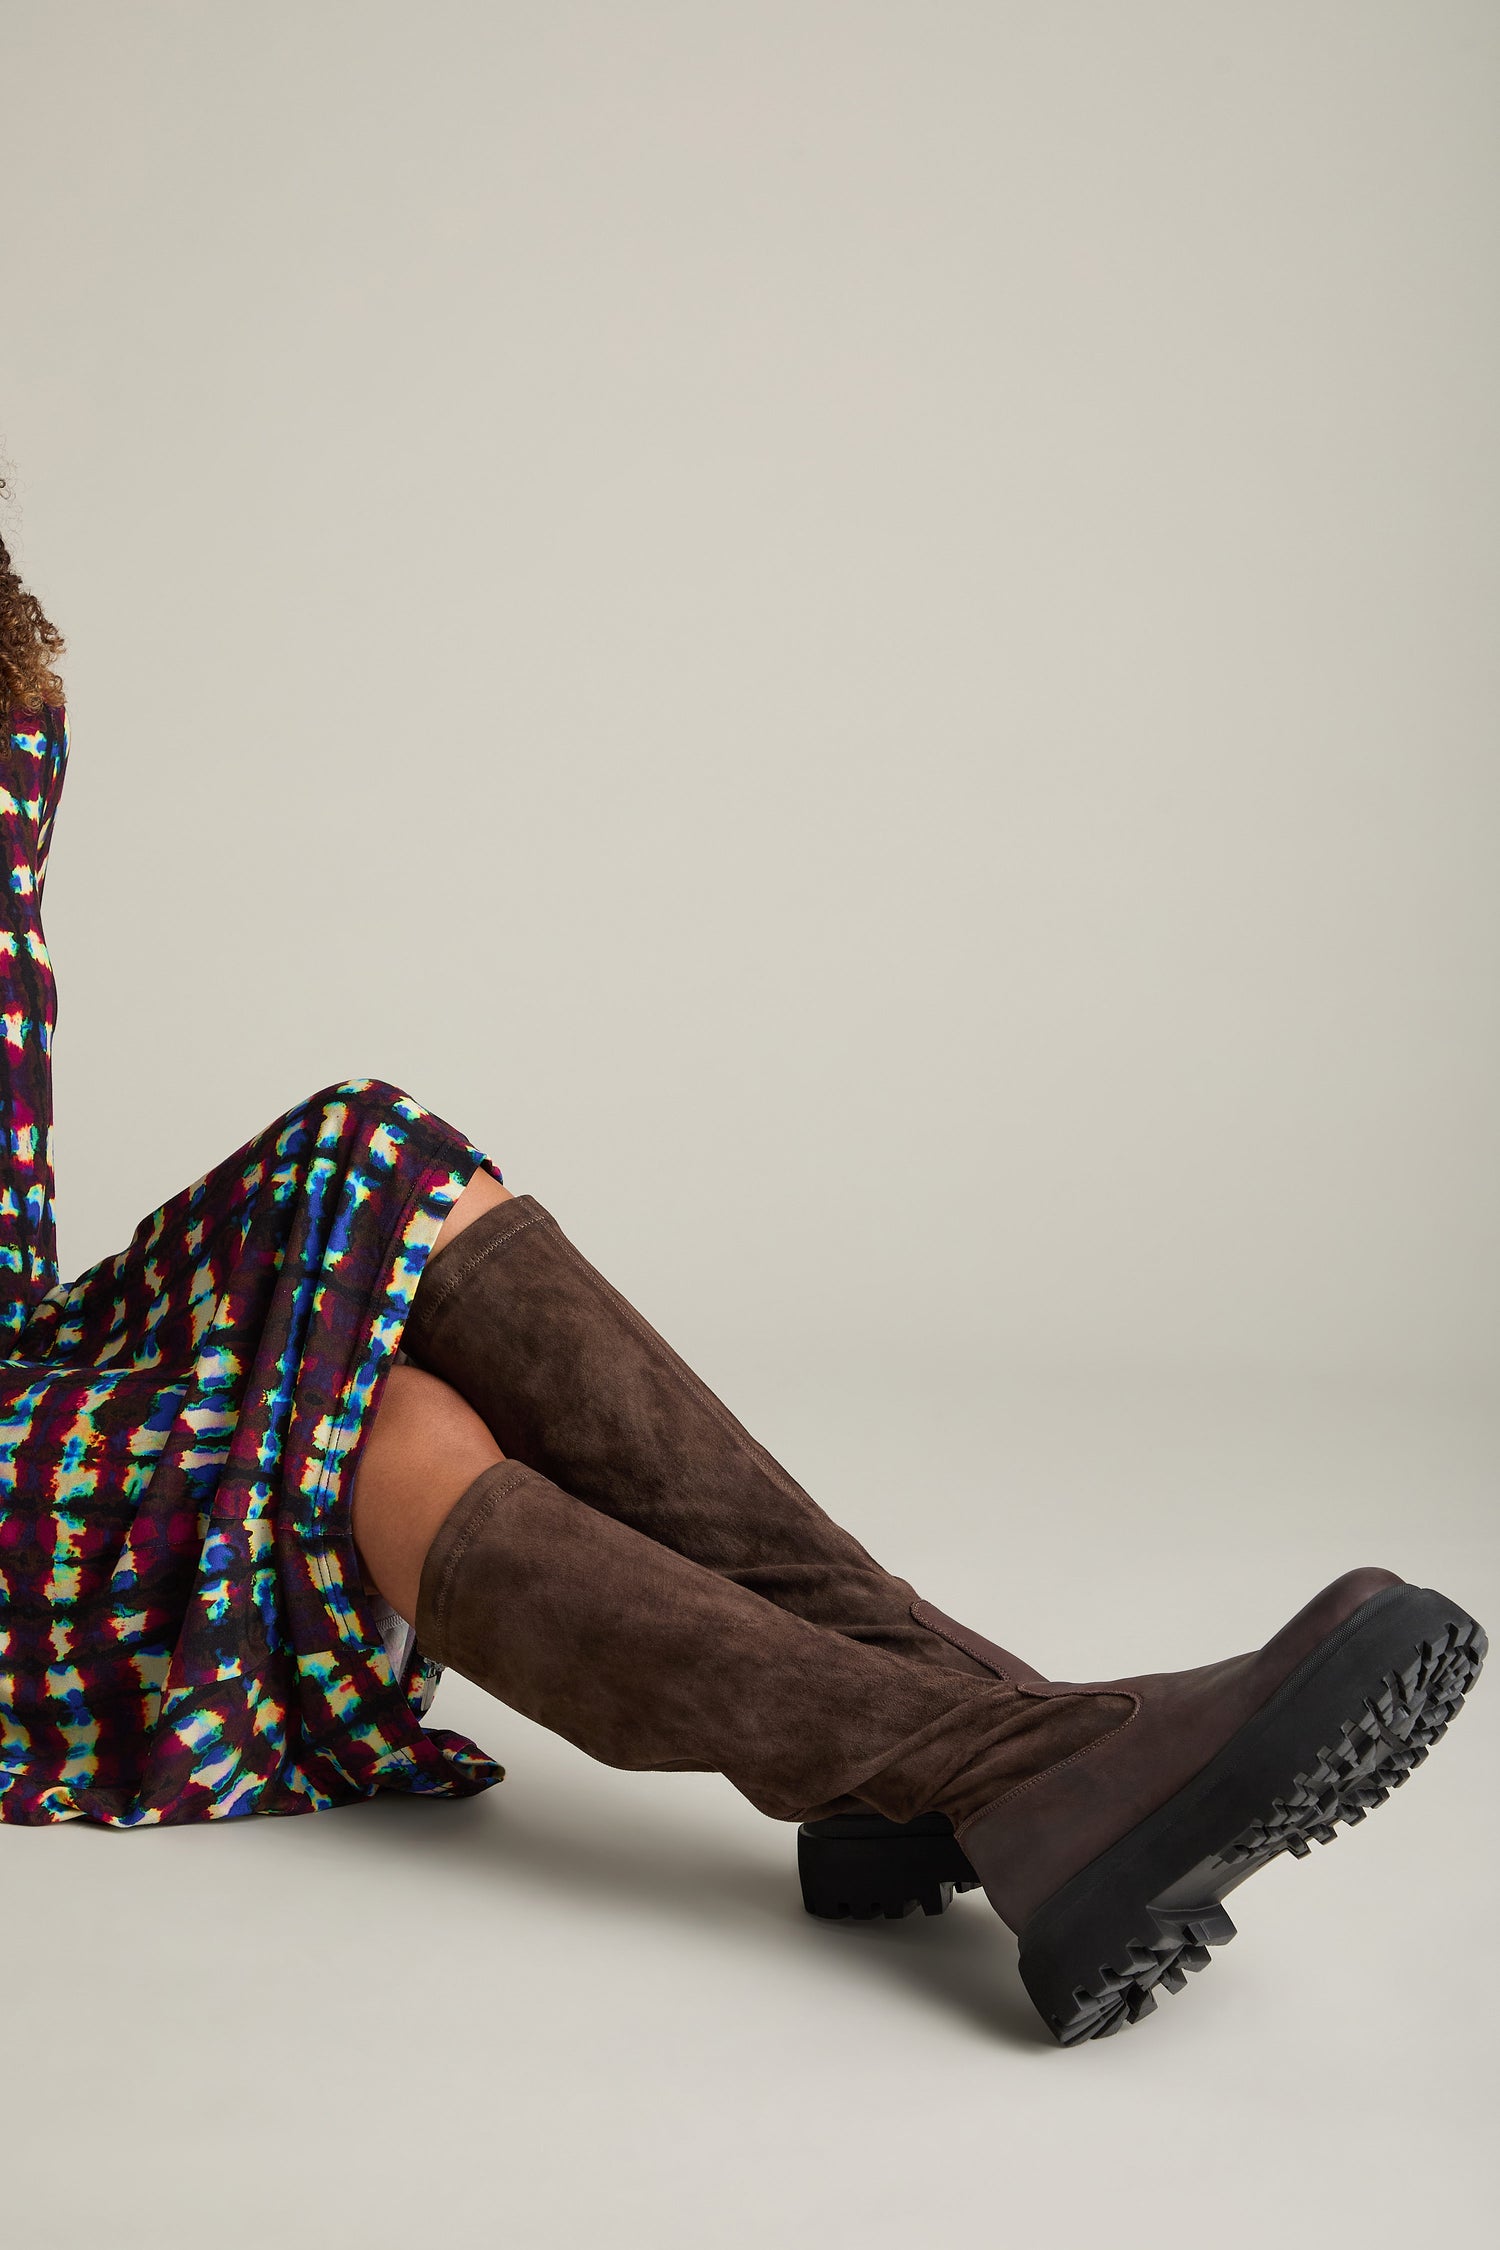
{"x": 1107, "y": 1820}
{"x": 647, "y": 1660}
{"x": 423, "y": 1449}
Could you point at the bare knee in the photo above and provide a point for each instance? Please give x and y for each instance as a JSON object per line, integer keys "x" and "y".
{"x": 421, "y": 1415}
{"x": 423, "y": 1449}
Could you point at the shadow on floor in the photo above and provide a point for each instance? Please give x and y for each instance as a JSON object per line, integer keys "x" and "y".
{"x": 605, "y": 1856}
{"x": 695, "y": 1874}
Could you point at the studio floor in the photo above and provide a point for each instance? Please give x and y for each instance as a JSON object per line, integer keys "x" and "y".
{"x": 587, "y": 2008}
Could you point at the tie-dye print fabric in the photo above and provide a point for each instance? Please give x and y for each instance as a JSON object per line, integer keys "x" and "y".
{"x": 184, "y": 1633}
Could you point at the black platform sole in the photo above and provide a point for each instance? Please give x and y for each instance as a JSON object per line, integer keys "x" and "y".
{"x": 1348, "y": 1727}
{"x": 858, "y": 1867}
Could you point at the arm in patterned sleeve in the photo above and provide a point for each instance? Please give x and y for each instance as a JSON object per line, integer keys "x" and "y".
{"x": 33, "y": 758}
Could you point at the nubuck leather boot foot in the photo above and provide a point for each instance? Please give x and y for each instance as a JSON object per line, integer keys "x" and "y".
{"x": 573, "y": 1381}
{"x": 1112, "y": 1865}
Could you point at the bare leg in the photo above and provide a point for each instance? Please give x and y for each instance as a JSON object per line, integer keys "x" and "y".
{"x": 425, "y": 1447}
{"x": 483, "y": 1192}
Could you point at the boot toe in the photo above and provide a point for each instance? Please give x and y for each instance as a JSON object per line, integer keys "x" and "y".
{"x": 1349, "y": 1724}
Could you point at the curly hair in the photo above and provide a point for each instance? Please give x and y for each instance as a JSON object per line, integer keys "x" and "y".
{"x": 29, "y": 642}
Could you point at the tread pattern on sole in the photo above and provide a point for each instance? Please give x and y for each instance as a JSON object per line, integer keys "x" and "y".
{"x": 862, "y": 1868}
{"x": 932, "y": 1898}
{"x": 1374, "y": 1753}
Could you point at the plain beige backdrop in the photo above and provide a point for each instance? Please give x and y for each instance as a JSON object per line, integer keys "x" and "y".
{"x": 862, "y": 637}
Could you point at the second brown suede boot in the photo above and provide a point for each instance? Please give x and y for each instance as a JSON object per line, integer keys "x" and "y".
{"x": 1108, "y": 1819}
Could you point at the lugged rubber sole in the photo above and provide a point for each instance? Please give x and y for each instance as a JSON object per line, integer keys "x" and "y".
{"x": 858, "y": 1867}
{"x": 1345, "y": 1729}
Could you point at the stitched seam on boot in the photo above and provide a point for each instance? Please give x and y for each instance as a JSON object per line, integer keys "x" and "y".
{"x": 447, "y": 1283}
{"x": 1062, "y": 1765}
{"x": 479, "y": 1517}
{"x": 902, "y": 1749}
{"x": 958, "y": 1636}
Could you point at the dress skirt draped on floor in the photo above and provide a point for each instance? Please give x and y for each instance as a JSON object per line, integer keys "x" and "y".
{"x": 184, "y": 1632}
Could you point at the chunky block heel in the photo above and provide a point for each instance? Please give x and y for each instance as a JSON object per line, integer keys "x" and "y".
{"x": 858, "y": 1867}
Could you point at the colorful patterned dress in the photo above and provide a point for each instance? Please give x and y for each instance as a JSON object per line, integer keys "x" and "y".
{"x": 184, "y": 1632}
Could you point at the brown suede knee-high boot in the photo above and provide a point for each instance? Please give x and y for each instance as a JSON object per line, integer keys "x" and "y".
{"x": 1106, "y": 1819}
{"x": 649, "y": 1661}
{"x": 574, "y": 1382}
